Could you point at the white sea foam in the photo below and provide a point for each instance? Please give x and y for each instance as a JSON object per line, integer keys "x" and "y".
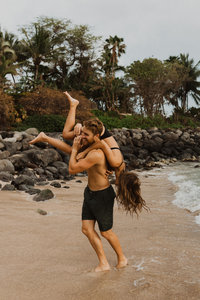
{"x": 187, "y": 178}
{"x": 197, "y": 219}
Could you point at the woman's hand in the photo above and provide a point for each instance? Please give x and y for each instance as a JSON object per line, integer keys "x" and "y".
{"x": 97, "y": 139}
{"x": 108, "y": 173}
{"x": 81, "y": 155}
{"x": 77, "y": 129}
{"x": 77, "y": 143}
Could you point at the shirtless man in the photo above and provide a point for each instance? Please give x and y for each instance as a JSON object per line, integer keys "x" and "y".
{"x": 98, "y": 195}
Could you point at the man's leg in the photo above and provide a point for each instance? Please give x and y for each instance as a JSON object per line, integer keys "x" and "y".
{"x": 114, "y": 242}
{"x": 70, "y": 121}
{"x": 95, "y": 241}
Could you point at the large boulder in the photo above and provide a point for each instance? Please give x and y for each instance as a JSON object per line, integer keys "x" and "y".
{"x": 4, "y": 154}
{"x": 13, "y": 147}
{"x": 23, "y": 180}
{"x": 19, "y": 161}
{"x": 6, "y": 176}
{"x": 43, "y": 195}
{"x": 7, "y": 166}
{"x": 43, "y": 157}
{"x": 32, "y": 131}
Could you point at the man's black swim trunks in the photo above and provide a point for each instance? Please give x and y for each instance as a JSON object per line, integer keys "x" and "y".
{"x": 98, "y": 205}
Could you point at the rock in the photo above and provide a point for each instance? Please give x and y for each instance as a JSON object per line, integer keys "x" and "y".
{"x": 7, "y": 166}
{"x": 13, "y": 147}
{"x": 17, "y": 137}
{"x": 59, "y": 164}
{"x": 42, "y": 183}
{"x": 2, "y": 146}
{"x": 19, "y": 161}
{"x": 5, "y": 176}
{"x": 49, "y": 175}
{"x": 32, "y": 191}
{"x": 44, "y": 195}
{"x": 39, "y": 171}
{"x": 8, "y": 187}
{"x": 6, "y": 134}
{"x": 56, "y": 184}
{"x": 79, "y": 181}
{"x": 22, "y": 180}
{"x": 170, "y": 136}
{"x": 66, "y": 187}
{"x": 52, "y": 169}
{"x": 41, "y": 212}
{"x": 32, "y": 131}
{"x": 185, "y": 137}
{"x": 23, "y": 187}
{"x": 29, "y": 173}
{"x": 43, "y": 157}
{"x": 4, "y": 154}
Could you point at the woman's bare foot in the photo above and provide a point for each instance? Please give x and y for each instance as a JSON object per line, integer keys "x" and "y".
{"x": 73, "y": 102}
{"x": 42, "y": 137}
{"x": 122, "y": 263}
{"x": 102, "y": 267}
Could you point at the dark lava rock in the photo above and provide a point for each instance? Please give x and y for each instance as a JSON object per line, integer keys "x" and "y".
{"x": 56, "y": 184}
{"x": 44, "y": 195}
{"x": 8, "y": 187}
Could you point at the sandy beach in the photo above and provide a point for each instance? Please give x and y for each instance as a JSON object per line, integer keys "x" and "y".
{"x": 47, "y": 256}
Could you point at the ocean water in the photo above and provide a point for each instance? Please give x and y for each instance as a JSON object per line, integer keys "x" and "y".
{"x": 186, "y": 176}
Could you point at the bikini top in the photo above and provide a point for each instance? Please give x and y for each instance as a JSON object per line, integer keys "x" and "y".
{"x": 105, "y": 135}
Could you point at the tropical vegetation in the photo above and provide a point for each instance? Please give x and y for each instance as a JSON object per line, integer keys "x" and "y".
{"x": 52, "y": 55}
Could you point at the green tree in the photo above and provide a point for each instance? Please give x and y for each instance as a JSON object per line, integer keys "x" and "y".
{"x": 36, "y": 49}
{"x": 53, "y": 48}
{"x": 107, "y": 88}
{"x": 189, "y": 73}
{"x": 191, "y": 85}
{"x": 7, "y": 60}
{"x": 113, "y": 50}
{"x": 149, "y": 85}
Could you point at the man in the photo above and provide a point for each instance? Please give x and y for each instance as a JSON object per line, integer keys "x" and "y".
{"x": 98, "y": 195}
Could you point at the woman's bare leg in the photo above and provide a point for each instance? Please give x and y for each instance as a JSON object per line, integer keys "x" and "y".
{"x": 70, "y": 121}
{"x": 42, "y": 137}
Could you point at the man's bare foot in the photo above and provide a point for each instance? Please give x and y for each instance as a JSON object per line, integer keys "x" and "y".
{"x": 122, "y": 263}
{"x": 73, "y": 102}
{"x": 101, "y": 268}
{"x": 42, "y": 137}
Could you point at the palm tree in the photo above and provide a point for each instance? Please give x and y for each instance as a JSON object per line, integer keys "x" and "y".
{"x": 7, "y": 59}
{"x": 191, "y": 85}
{"x": 189, "y": 79}
{"x": 113, "y": 48}
{"x": 36, "y": 47}
{"x": 106, "y": 83}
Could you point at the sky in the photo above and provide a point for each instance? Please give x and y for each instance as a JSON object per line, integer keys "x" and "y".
{"x": 150, "y": 28}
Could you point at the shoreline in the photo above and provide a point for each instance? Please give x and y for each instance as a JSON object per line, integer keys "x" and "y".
{"x": 48, "y": 256}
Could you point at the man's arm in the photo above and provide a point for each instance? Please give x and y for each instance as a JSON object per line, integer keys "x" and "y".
{"x": 84, "y": 164}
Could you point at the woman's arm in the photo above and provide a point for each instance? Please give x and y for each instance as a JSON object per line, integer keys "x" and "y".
{"x": 114, "y": 157}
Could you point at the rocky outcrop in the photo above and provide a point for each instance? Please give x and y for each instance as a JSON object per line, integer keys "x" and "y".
{"x": 153, "y": 147}
{"x": 26, "y": 166}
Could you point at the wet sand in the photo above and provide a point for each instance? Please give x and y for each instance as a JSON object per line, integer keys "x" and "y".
{"x": 47, "y": 257}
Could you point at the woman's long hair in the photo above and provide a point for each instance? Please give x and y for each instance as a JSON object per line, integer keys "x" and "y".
{"x": 129, "y": 193}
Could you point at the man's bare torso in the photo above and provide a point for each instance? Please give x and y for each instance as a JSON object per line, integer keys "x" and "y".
{"x": 97, "y": 180}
